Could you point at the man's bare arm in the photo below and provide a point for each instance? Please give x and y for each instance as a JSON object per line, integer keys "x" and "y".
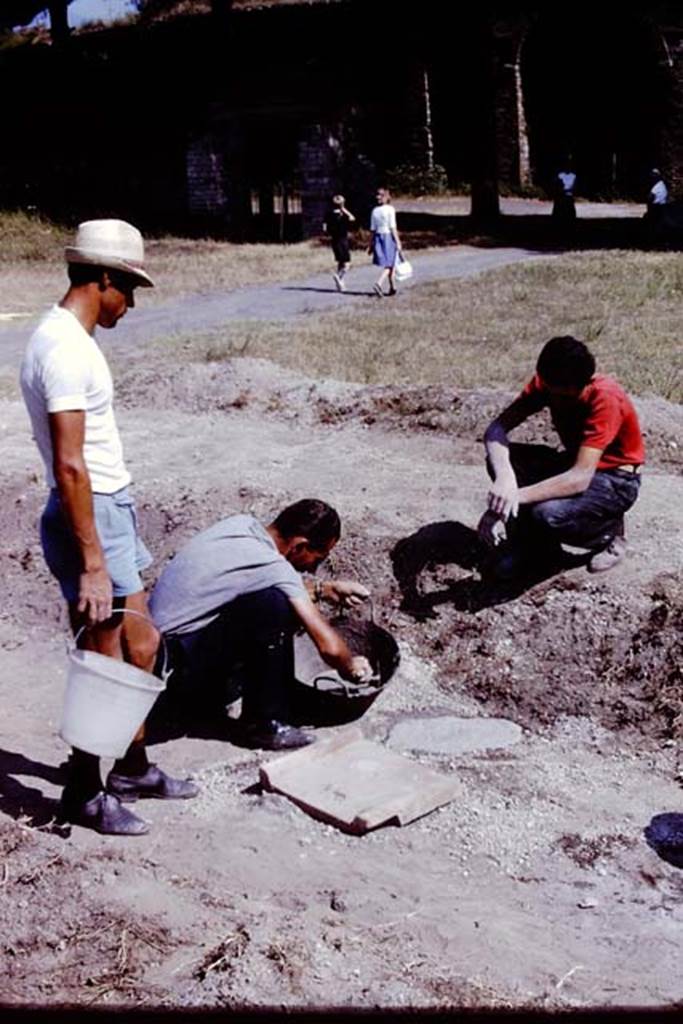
{"x": 330, "y": 644}
{"x": 573, "y": 481}
{"x": 67, "y": 430}
{"x": 347, "y": 593}
{"x": 503, "y": 500}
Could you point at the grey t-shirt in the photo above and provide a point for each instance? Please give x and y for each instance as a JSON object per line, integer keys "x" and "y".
{"x": 235, "y": 556}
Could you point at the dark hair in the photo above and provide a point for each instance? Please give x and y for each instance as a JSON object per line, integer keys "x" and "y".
{"x": 318, "y": 522}
{"x": 84, "y": 273}
{"x": 91, "y": 273}
{"x": 565, "y": 362}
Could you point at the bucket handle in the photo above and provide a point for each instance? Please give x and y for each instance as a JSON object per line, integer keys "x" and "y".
{"x": 165, "y": 670}
{"x": 349, "y": 689}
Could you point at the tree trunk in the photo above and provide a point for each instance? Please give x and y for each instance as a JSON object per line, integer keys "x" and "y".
{"x": 485, "y": 207}
{"x": 220, "y": 9}
{"x": 59, "y": 23}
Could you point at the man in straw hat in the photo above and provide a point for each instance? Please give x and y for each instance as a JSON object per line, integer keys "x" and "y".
{"x": 88, "y": 528}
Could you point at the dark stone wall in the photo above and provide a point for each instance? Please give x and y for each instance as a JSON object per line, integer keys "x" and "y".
{"x": 320, "y": 158}
{"x": 207, "y": 188}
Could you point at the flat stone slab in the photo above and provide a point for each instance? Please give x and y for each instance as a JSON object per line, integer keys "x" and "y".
{"x": 358, "y": 785}
{"x": 451, "y": 735}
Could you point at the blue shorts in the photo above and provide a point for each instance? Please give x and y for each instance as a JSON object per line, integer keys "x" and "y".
{"x": 116, "y": 526}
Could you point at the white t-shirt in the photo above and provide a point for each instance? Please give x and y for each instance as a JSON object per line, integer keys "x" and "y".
{"x": 659, "y": 194}
{"x": 383, "y": 219}
{"x": 568, "y": 181}
{"x": 63, "y": 369}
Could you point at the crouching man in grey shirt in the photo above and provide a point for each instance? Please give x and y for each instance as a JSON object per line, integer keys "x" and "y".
{"x": 234, "y": 594}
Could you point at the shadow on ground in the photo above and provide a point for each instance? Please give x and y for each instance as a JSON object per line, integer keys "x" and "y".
{"x": 327, "y": 291}
{"x": 18, "y": 800}
{"x": 538, "y": 231}
{"x": 453, "y": 543}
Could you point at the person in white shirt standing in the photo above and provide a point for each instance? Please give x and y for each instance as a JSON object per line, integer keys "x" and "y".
{"x": 385, "y": 244}
{"x": 564, "y": 207}
{"x": 658, "y": 194}
{"x": 658, "y": 221}
{"x": 88, "y": 528}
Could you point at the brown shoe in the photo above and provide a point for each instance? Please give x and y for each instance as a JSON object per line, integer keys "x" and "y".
{"x": 610, "y": 556}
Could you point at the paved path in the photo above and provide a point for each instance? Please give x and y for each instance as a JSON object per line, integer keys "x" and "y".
{"x": 207, "y": 312}
{"x": 515, "y": 206}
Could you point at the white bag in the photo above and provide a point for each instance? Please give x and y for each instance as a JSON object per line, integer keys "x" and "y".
{"x": 403, "y": 269}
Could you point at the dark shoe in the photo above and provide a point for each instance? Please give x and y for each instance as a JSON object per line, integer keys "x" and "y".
{"x": 270, "y": 734}
{"x": 501, "y": 568}
{"x": 103, "y": 813}
{"x": 610, "y": 556}
{"x": 154, "y": 783}
{"x": 523, "y": 561}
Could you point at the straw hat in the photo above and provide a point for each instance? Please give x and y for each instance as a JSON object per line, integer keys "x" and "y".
{"x": 113, "y": 244}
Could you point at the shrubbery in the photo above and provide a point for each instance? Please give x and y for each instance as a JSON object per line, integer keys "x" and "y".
{"x": 417, "y": 180}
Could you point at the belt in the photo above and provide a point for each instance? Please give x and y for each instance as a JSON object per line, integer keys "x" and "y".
{"x": 628, "y": 470}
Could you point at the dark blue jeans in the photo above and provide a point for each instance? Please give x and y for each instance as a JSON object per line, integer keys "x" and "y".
{"x": 248, "y": 648}
{"x": 588, "y": 520}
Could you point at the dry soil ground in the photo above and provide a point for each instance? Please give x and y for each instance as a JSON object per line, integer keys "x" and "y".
{"x": 533, "y": 888}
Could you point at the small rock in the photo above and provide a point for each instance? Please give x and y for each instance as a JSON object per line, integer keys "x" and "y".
{"x": 587, "y": 904}
{"x": 337, "y": 903}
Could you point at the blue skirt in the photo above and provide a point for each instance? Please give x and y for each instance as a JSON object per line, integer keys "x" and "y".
{"x": 384, "y": 250}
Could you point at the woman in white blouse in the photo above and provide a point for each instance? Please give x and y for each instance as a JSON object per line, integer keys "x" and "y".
{"x": 385, "y": 246}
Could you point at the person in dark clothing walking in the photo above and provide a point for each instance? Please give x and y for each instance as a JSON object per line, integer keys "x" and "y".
{"x": 337, "y": 223}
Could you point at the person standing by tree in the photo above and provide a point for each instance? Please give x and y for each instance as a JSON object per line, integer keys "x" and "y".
{"x": 564, "y": 207}
{"x": 88, "y": 528}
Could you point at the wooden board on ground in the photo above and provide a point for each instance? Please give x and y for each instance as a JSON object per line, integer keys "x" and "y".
{"x": 356, "y": 784}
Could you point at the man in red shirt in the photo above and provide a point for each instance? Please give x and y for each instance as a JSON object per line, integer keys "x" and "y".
{"x": 575, "y": 496}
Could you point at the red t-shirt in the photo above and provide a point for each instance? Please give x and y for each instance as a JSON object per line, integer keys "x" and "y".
{"x": 601, "y": 416}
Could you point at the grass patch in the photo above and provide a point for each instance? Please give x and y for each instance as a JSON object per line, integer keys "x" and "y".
{"x": 184, "y": 266}
{"x": 486, "y": 331}
{"x": 33, "y": 275}
{"x": 30, "y": 238}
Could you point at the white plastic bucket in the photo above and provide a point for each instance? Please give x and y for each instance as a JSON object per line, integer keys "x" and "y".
{"x": 105, "y": 702}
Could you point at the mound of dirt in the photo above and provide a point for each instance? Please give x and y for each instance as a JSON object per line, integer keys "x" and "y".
{"x": 259, "y": 386}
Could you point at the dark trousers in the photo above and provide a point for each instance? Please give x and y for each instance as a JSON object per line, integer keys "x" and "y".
{"x": 248, "y": 648}
{"x": 588, "y": 520}
{"x": 564, "y": 210}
